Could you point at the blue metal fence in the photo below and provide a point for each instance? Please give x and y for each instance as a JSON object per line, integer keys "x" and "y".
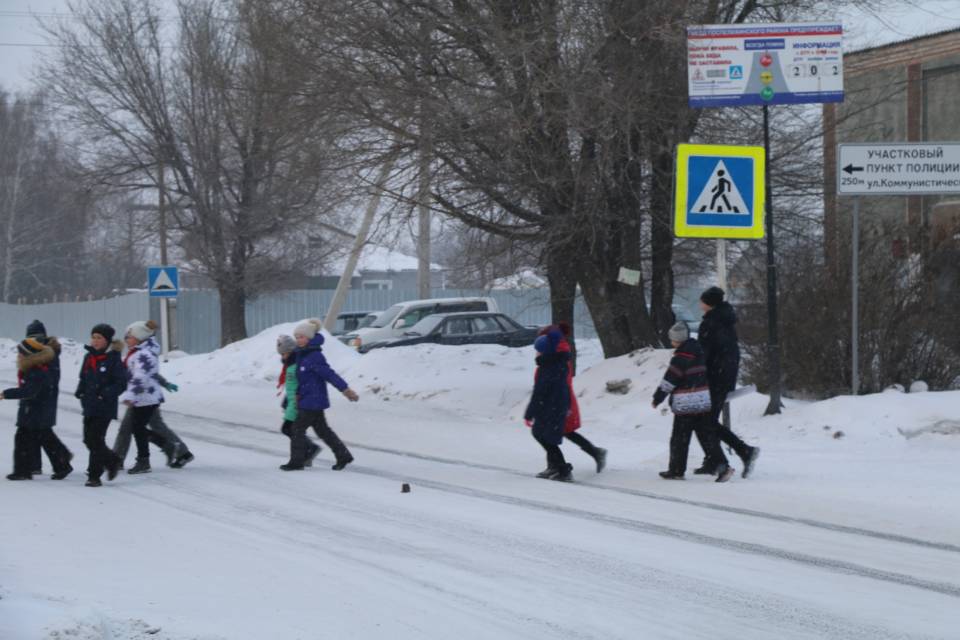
{"x": 196, "y": 314}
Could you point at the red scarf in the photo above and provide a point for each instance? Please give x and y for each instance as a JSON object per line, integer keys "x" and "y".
{"x": 20, "y": 376}
{"x": 92, "y": 360}
{"x": 126, "y": 358}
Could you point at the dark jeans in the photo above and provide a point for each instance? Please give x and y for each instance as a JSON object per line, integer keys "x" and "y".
{"x": 95, "y": 438}
{"x": 725, "y": 435}
{"x": 300, "y": 445}
{"x": 683, "y": 428}
{"x": 140, "y": 418}
{"x": 28, "y": 442}
{"x": 287, "y": 429}
{"x": 588, "y": 447}
{"x": 555, "y": 459}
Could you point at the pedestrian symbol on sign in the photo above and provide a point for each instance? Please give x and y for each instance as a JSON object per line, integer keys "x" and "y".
{"x": 720, "y": 194}
{"x": 736, "y": 72}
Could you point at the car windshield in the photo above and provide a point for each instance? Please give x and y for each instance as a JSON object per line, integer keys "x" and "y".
{"x": 387, "y": 316}
{"x": 368, "y": 320}
{"x": 426, "y": 325}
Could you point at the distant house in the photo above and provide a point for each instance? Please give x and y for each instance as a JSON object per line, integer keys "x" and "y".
{"x": 525, "y": 278}
{"x": 380, "y": 269}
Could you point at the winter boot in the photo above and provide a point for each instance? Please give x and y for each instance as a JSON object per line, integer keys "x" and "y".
{"x": 173, "y": 452}
{"x": 19, "y": 476}
{"x": 565, "y": 474}
{"x": 342, "y": 462}
{"x": 181, "y": 460}
{"x": 601, "y": 457}
{"x": 724, "y": 473}
{"x": 671, "y": 475}
{"x": 142, "y": 466}
{"x": 63, "y": 473}
{"x": 291, "y": 467}
{"x": 113, "y": 468}
{"x": 93, "y": 482}
{"x": 548, "y": 473}
{"x": 749, "y": 461}
{"x": 704, "y": 471}
{"x": 308, "y": 461}
{"x": 37, "y": 472}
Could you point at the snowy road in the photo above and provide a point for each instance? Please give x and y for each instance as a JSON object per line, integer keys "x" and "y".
{"x": 232, "y": 548}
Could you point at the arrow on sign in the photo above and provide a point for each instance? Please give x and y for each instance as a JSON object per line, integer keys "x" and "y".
{"x": 851, "y": 169}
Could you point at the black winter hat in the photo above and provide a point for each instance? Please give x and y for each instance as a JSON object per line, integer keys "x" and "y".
{"x": 712, "y": 297}
{"x": 105, "y": 330}
{"x": 36, "y": 330}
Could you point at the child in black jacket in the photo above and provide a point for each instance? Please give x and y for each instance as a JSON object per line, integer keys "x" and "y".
{"x": 37, "y": 393}
{"x": 685, "y": 383}
{"x": 102, "y": 380}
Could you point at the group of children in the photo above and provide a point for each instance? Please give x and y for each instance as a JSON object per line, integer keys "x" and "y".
{"x": 696, "y": 390}
{"x": 106, "y": 380}
{"x": 697, "y": 382}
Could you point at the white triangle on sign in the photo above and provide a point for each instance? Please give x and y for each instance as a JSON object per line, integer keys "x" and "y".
{"x": 720, "y": 194}
{"x": 163, "y": 283}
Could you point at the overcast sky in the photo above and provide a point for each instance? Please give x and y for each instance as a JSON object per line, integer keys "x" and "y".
{"x": 22, "y": 41}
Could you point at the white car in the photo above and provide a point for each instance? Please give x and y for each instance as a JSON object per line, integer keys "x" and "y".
{"x": 393, "y": 322}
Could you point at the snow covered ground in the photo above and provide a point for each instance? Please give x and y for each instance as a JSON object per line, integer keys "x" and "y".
{"x": 850, "y": 527}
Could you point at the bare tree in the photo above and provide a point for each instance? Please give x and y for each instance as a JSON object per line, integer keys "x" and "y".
{"x": 43, "y": 205}
{"x": 206, "y": 97}
{"x": 551, "y": 121}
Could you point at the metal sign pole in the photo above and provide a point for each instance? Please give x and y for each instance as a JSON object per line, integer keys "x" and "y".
{"x": 164, "y": 327}
{"x": 722, "y": 278}
{"x": 855, "y": 310}
{"x": 773, "y": 339}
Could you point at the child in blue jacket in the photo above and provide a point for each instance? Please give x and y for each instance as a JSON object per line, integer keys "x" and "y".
{"x": 313, "y": 375}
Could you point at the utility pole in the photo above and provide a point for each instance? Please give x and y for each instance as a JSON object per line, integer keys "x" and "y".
{"x": 423, "y": 206}
{"x": 340, "y": 295}
{"x": 162, "y": 224}
{"x": 423, "y": 194}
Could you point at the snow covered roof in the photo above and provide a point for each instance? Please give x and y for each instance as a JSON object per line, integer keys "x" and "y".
{"x": 379, "y": 258}
{"x": 525, "y": 278}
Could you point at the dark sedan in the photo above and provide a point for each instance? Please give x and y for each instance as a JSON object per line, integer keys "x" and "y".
{"x": 470, "y": 327}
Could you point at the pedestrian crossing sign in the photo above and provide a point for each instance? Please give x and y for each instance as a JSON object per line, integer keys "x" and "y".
{"x": 719, "y": 192}
{"x": 164, "y": 282}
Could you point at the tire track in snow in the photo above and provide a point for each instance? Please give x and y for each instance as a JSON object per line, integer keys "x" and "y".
{"x": 649, "y": 495}
{"x": 838, "y": 566}
{"x": 776, "y": 610}
{"x": 809, "y": 522}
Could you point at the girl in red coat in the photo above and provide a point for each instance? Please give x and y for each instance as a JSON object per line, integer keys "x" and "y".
{"x": 572, "y": 423}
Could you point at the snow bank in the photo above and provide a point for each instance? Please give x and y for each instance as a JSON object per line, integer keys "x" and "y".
{"x": 253, "y": 361}
{"x": 23, "y": 617}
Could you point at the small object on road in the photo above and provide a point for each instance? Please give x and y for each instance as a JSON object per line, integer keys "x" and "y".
{"x": 838, "y": 435}
{"x": 405, "y": 488}
{"x": 619, "y": 387}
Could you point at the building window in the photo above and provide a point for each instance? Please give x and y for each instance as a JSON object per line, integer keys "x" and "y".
{"x": 376, "y": 285}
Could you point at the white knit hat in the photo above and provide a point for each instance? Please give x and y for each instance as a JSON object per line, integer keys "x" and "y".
{"x": 308, "y": 328}
{"x": 285, "y": 345}
{"x": 679, "y": 332}
{"x": 142, "y": 329}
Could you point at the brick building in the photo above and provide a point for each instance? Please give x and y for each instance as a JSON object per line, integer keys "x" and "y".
{"x": 901, "y": 92}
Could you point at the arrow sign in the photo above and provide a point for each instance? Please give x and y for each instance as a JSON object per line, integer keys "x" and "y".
{"x": 898, "y": 168}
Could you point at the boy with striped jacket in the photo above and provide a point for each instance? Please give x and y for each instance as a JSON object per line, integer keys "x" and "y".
{"x": 685, "y": 383}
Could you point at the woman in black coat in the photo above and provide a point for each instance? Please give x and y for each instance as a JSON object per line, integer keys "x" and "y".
{"x": 37, "y": 393}
{"x": 102, "y": 380}
{"x": 547, "y": 411}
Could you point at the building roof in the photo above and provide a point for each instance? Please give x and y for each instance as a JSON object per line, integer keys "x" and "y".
{"x": 378, "y": 258}
{"x": 898, "y": 43}
{"x": 901, "y": 54}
